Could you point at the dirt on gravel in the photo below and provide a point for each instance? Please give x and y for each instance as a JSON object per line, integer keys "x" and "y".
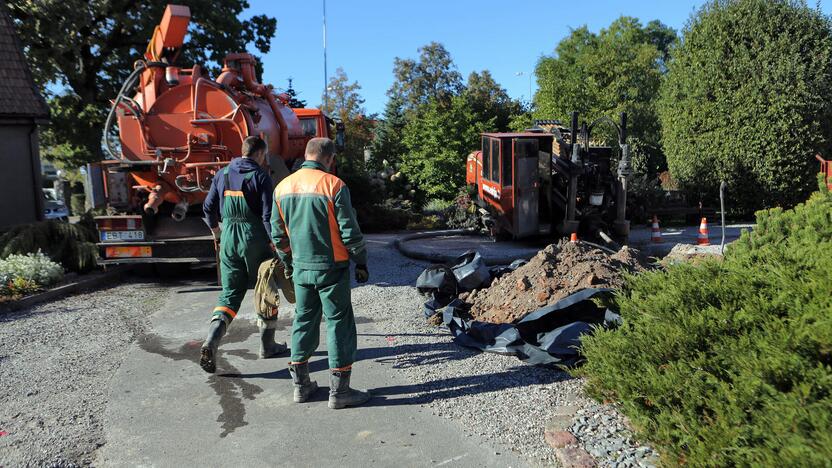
{"x": 554, "y": 273}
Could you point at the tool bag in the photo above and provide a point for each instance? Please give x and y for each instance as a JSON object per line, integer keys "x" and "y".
{"x": 271, "y": 279}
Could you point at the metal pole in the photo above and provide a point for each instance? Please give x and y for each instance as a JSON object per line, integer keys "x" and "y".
{"x": 722, "y": 188}
{"x": 326, "y": 76}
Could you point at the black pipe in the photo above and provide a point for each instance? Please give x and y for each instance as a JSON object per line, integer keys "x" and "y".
{"x": 622, "y": 132}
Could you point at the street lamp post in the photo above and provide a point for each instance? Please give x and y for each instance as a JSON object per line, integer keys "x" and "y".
{"x": 326, "y": 76}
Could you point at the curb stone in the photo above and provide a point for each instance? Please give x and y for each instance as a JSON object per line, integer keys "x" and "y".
{"x": 77, "y": 283}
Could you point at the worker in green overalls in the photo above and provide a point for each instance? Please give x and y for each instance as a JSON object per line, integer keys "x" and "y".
{"x": 316, "y": 235}
{"x": 241, "y": 196}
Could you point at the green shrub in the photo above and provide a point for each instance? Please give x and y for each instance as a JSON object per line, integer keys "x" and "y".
{"x": 436, "y": 206}
{"x": 71, "y": 245}
{"x": 23, "y": 274}
{"x": 77, "y": 203}
{"x": 746, "y": 100}
{"x": 18, "y": 288}
{"x": 730, "y": 363}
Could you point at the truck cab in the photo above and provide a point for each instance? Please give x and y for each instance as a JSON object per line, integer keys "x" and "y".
{"x": 508, "y": 172}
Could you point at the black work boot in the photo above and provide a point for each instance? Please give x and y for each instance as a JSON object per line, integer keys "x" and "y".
{"x": 208, "y": 355}
{"x": 268, "y": 347}
{"x": 304, "y": 387}
{"x": 340, "y": 393}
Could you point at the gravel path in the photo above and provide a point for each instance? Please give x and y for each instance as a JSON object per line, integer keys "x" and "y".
{"x": 56, "y": 361}
{"x": 494, "y": 396}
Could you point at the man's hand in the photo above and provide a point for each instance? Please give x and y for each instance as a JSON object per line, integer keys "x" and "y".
{"x": 215, "y": 233}
{"x": 361, "y": 273}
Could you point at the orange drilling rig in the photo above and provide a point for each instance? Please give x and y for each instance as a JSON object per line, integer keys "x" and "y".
{"x": 176, "y": 128}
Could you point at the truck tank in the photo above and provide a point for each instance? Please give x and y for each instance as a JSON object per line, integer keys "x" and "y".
{"x": 178, "y": 126}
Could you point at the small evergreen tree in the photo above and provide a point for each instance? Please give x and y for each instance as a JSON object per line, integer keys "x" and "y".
{"x": 387, "y": 140}
{"x": 294, "y": 102}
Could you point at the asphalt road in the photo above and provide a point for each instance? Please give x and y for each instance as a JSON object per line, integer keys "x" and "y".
{"x": 164, "y": 410}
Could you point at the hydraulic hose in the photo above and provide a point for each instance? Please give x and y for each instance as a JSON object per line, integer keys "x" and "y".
{"x": 138, "y": 68}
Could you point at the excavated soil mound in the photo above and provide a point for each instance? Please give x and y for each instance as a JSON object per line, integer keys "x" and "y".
{"x": 554, "y": 273}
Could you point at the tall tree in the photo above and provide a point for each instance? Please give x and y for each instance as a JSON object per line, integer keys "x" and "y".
{"x": 345, "y": 102}
{"x": 619, "y": 69}
{"x": 87, "y": 49}
{"x": 343, "y": 99}
{"x": 487, "y": 99}
{"x": 432, "y": 77}
{"x": 387, "y": 139}
{"x": 438, "y": 139}
{"x": 294, "y": 102}
{"x": 747, "y": 101}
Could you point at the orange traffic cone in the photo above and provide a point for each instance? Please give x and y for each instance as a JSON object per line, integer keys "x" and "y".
{"x": 703, "y": 233}
{"x": 573, "y": 237}
{"x": 656, "y": 236}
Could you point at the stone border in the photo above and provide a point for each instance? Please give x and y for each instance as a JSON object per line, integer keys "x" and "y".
{"x": 77, "y": 283}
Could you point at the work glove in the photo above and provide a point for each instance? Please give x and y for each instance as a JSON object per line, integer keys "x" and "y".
{"x": 287, "y": 271}
{"x": 361, "y": 273}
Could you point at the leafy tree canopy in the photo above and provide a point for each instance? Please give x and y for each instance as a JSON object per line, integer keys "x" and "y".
{"x": 618, "y": 69}
{"x": 88, "y": 49}
{"x": 432, "y": 77}
{"x": 747, "y": 100}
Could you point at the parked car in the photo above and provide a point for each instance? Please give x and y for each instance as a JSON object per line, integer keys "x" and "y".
{"x": 54, "y": 207}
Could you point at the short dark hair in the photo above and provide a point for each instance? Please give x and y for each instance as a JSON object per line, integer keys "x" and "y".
{"x": 320, "y": 147}
{"x": 253, "y": 144}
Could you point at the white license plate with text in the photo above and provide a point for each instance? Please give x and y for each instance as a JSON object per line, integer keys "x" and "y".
{"x": 110, "y": 236}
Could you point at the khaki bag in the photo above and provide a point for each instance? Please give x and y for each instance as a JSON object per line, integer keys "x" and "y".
{"x": 270, "y": 280}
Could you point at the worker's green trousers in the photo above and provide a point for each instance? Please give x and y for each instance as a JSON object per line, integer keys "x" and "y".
{"x": 244, "y": 245}
{"x": 324, "y": 293}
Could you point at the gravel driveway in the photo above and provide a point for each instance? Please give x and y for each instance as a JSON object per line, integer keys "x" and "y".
{"x": 490, "y": 395}
{"x": 56, "y": 361}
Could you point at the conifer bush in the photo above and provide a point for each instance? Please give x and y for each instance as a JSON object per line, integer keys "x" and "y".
{"x": 729, "y": 363}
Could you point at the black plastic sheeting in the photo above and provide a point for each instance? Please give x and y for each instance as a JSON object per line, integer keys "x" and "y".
{"x": 550, "y": 335}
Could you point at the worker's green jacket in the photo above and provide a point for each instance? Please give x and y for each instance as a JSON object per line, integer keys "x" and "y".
{"x": 313, "y": 222}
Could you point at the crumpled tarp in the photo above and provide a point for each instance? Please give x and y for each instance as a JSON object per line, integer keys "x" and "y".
{"x": 550, "y": 335}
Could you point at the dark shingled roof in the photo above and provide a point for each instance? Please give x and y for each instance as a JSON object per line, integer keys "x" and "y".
{"x": 18, "y": 95}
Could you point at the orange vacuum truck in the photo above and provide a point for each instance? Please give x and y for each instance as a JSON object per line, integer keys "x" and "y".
{"x": 176, "y": 128}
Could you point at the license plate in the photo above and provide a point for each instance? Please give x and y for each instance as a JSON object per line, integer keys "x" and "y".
{"x": 128, "y": 252}
{"x": 110, "y": 236}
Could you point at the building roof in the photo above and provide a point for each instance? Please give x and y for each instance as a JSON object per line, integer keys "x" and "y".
{"x": 19, "y": 97}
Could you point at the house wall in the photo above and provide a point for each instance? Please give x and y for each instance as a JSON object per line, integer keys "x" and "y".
{"x": 20, "y": 186}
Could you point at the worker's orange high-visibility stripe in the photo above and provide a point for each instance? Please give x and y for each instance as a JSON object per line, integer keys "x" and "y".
{"x": 339, "y": 252}
{"x": 227, "y": 310}
{"x": 309, "y": 182}
{"x": 313, "y": 182}
{"x": 341, "y": 369}
{"x": 233, "y": 193}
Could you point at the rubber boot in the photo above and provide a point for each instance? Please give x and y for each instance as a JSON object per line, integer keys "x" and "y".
{"x": 340, "y": 393}
{"x": 304, "y": 387}
{"x": 268, "y": 347}
{"x": 208, "y": 354}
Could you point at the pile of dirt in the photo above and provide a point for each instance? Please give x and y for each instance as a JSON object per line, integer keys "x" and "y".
{"x": 554, "y": 273}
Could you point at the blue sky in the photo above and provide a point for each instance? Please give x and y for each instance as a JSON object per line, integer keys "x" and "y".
{"x": 505, "y": 37}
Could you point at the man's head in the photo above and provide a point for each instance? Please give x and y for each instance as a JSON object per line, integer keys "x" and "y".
{"x": 255, "y": 148}
{"x": 321, "y": 150}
